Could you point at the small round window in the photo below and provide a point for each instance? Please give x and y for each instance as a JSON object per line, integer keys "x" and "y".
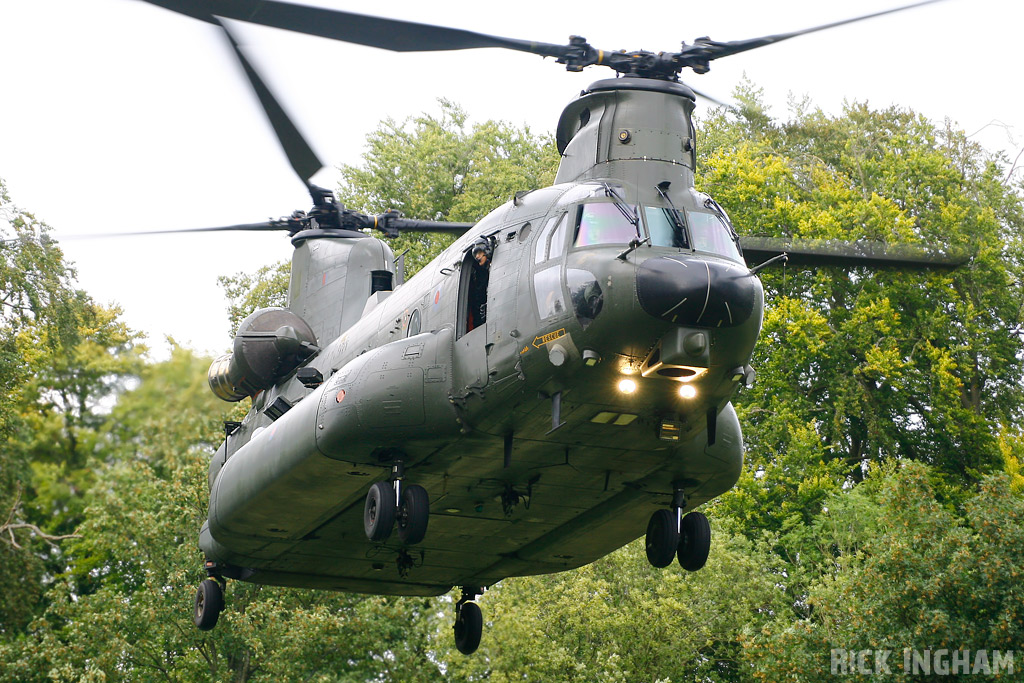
{"x": 414, "y": 324}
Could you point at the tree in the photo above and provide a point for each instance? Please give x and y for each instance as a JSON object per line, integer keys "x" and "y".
{"x": 907, "y": 573}
{"x": 879, "y": 507}
{"x": 63, "y": 356}
{"x": 268, "y": 286}
{"x": 429, "y": 167}
{"x": 439, "y": 168}
{"x": 619, "y": 619}
{"x": 121, "y": 610}
{"x": 878, "y": 363}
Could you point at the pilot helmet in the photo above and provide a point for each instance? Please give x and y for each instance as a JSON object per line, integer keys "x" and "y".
{"x": 482, "y": 245}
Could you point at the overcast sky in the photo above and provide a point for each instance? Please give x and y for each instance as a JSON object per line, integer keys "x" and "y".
{"x": 117, "y": 115}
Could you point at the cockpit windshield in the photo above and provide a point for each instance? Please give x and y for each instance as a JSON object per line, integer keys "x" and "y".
{"x": 666, "y": 227}
{"x": 604, "y": 223}
{"x": 710, "y": 233}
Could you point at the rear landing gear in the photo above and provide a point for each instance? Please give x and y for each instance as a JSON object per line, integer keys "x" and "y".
{"x": 209, "y": 603}
{"x": 671, "y": 535}
{"x": 388, "y": 502}
{"x": 469, "y": 622}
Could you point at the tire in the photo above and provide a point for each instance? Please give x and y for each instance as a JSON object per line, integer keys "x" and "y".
{"x": 209, "y": 603}
{"x": 414, "y": 515}
{"x": 379, "y": 511}
{"x": 662, "y": 538}
{"x": 694, "y": 542}
{"x": 469, "y": 626}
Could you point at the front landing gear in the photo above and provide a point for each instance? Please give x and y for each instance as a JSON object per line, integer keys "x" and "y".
{"x": 671, "y": 535}
{"x": 694, "y": 542}
{"x": 209, "y": 603}
{"x": 469, "y": 622}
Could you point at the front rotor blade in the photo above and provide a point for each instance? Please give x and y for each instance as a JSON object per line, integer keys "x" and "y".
{"x": 873, "y": 254}
{"x": 705, "y": 49}
{"x": 713, "y": 100}
{"x": 361, "y": 29}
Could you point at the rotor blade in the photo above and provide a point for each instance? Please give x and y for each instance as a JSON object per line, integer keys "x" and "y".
{"x": 802, "y": 252}
{"x": 705, "y": 49}
{"x": 300, "y": 155}
{"x": 413, "y": 225}
{"x": 387, "y": 34}
{"x": 712, "y": 100}
{"x": 250, "y": 227}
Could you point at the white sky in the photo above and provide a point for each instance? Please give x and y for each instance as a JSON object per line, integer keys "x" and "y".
{"x": 117, "y": 115}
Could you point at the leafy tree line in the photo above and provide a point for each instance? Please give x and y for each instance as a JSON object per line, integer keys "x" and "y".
{"x": 881, "y": 505}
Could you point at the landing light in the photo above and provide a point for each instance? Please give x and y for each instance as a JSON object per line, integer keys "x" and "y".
{"x": 687, "y": 391}
{"x": 627, "y": 386}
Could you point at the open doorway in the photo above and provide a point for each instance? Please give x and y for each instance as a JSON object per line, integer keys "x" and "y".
{"x": 473, "y": 286}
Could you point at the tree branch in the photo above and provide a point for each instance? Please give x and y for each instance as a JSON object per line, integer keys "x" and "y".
{"x": 9, "y": 526}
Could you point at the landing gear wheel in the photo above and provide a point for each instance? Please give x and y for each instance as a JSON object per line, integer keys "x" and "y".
{"x": 413, "y": 515}
{"x": 662, "y": 538}
{"x": 209, "y": 603}
{"x": 694, "y": 542}
{"x": 379, "y": 511}
{"x": 469, "y": 626}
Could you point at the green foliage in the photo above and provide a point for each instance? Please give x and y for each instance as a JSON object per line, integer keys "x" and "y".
{"x": 619, "y": 619}
{"x": 440, "y": 168}
{"x": 908, "y": 572}
{"x": 268, "y": 286}
{"x": 121, "y": 610}
{"x": 877, "y": 363}
{"x": 880, "y": 506}
{"x": 64, "y": 356}
{"x": 428, "y": 167}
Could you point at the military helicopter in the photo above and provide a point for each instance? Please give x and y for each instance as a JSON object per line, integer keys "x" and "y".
{"x": 553, "y": 385}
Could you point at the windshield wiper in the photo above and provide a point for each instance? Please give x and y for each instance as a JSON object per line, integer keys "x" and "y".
{"x": 674, "y": 213}
{"x": 623, "y": 208}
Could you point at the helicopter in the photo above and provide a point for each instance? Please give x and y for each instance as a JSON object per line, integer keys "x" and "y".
{"x": 553, "y": 385}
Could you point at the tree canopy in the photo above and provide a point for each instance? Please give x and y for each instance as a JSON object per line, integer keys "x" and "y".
{"x": 880, "y": 506}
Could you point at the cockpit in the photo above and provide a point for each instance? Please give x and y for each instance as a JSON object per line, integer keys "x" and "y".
{"x": 607, "y": 220}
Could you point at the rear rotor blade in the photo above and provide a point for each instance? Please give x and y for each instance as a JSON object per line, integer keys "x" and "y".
{"x": 413, "y": 225}
{"x": 267, "y": 226}
{"x": 300, "y": 155}
{"x": 873, "y": 254}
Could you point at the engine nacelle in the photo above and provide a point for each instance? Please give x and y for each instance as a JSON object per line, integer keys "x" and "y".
{"x": 270, "y": 343}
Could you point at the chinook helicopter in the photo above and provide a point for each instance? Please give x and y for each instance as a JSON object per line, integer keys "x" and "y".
{"x": 553, "y": 385}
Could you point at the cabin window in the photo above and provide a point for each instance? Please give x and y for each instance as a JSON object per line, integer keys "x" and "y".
{"x": 666, "y": 227}
{"x": 604, "y": 223}
{"x": 711, "y": 234}
{"x": 414, "y": 323}
{"x": 547, "y": 287}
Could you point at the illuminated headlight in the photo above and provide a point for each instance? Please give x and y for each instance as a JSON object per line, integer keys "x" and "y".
{"x": 687, "y": 391}
{"x": 627, "y": 386}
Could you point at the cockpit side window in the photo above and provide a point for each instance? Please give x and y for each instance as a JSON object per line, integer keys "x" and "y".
{"x": 711, "y": 234}
{"x": 545, "y": 238}
{"x": 603, "y": 223}
{"x": 557, "y": 242}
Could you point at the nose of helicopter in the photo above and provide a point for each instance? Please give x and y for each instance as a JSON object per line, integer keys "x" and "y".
{"x": 695, "y": 291}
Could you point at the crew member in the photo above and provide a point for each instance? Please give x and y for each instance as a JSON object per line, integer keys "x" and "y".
{"x": 478, "y": 284}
